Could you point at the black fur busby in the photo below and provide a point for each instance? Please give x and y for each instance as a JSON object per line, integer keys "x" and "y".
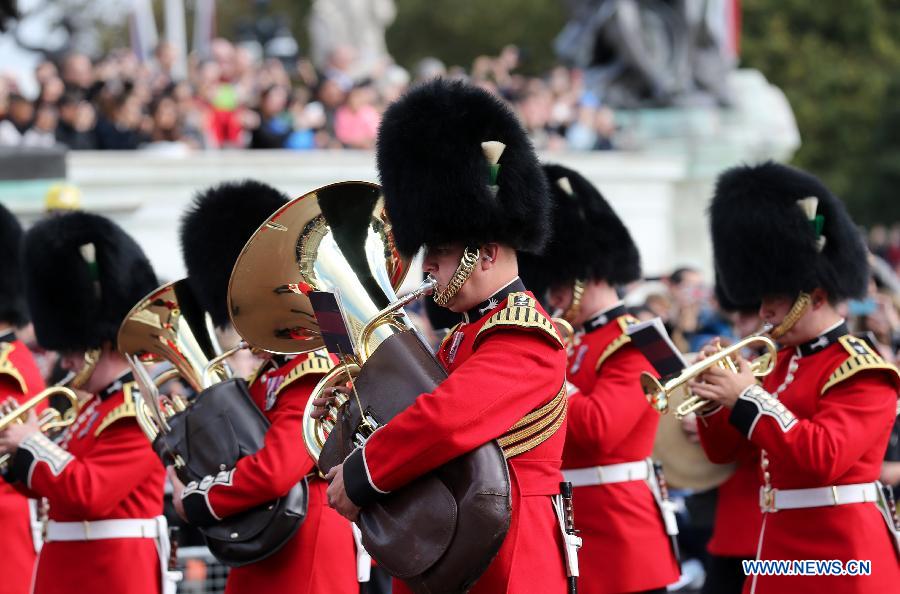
{"x": 439, "y": 186}
{"x": 765, "y": 243}
{"x": 213, "y": 232}
{"x": 12, "y": 293}
{"x": 588, "y": 241}
{"x": 728, "y": 305}
{"x": 83, "y": 274}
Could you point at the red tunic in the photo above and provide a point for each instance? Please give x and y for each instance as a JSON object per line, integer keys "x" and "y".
{"x": 832, "y": 433}
{"x": 493, "y": 383}
{"x": 19, "y": 377}
{"x": 105, "y": 469}
{"x": 320, "y": 557}
{"x": 609, "y": 422}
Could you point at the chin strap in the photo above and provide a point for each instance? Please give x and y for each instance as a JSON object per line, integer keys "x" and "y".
{"x": 574, "y": 310}
{"x": 463, "y": 272}
{"x": 800, "y": 307}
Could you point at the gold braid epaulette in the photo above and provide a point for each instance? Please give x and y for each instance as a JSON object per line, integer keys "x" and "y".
{"x": 520, "y": 312}
{"x": 125, "y": 410}
{"x": 861, "y": 358}
{"x": 535, "y": 427}
{"x": 314, "y": 364}
{"x": 618, "y": 342}
{"x": 7, "y": 367}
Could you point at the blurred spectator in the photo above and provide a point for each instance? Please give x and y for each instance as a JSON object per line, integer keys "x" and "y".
{"x": 75, "y": 128}
{"x": 20, "y": 113}
{"x": 275, "y": 122}
{"x": 42, "y": 132}
{"x": 125, "y": 128}
{"x": 356, "y": 122}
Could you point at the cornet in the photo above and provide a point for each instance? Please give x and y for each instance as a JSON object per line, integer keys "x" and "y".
{"x": 661, "y": 395}
{"x": 50, "y": 418}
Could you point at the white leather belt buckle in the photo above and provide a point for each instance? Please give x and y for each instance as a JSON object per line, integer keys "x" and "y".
{"x": 101, "y": 530}
{"x": 773, "y": 500}
{"x": 608, "y": 474}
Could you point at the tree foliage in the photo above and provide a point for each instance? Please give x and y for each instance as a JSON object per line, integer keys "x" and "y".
{"x": 839, "y": 65}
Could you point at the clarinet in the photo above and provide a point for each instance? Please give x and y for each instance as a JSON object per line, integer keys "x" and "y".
{"x": 565, "y": 489}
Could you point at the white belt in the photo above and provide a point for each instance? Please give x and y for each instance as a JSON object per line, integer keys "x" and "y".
{"x": 773, "y": 500}
{"x": 611, "y": 473}
{"x": 102, "y": 530}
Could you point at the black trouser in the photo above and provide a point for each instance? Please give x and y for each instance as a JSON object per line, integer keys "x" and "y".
{"x": 724, "y": 575}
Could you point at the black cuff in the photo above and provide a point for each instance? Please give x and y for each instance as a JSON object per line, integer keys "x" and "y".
{"x": 19, "y": 467}
{"x": 356, "y": 480}
{"x": 743, "y": 416}
{"x": 197, "y": 510}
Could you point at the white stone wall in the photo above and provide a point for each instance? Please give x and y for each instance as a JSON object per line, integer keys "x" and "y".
{"x": 147, "y": 193}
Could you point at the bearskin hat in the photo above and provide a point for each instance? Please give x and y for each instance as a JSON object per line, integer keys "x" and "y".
{"x": 729, "y": 306}
{"x": 439, "y": 185}
{"x": 83, "y": 274}
{"x": 213, "y": 232}
{"x": 777, "y": 230}
{"x": 12, "y": 293}
{"x": 588, "y": 240}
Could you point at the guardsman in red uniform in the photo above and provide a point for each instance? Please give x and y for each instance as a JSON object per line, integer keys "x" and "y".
{"x": 320, "y": 558}
{"x": 619, "y": 507}
{"x": 103, "y": 483}
{"x": 738, "y": 518}
{"x": 19, "y": 379}
{"x": 460, "y": 178}
{"x": 823, "y": 417}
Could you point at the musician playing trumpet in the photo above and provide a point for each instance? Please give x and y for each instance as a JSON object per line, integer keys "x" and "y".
{"x": 822, "y": 418}
{"x": 103, "y": 483}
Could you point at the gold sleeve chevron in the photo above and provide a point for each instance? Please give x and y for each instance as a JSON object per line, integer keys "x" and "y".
{"x": 618, "y": 342}
{"x": 125, "y": 410}
{"x": 520, "y": 312}
{"x": 316, "y": 363}
{"x": 7, "y": 367}
{"x": 861, "y": 357}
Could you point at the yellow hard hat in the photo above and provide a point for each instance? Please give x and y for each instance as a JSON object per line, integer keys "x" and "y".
{"x": 62, "y": 197}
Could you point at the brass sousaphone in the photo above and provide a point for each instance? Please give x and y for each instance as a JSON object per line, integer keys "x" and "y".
{"x": 440, "y": 532}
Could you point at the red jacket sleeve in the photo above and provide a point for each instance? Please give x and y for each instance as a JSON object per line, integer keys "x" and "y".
{"x": 609, "y": 413}
{"x": 92, "y": 485}
{"x": 851, "y": 418}
{"x": 721, "y": 442}
{"x": 269, "y": 473}
{"x": 510, "y": 374}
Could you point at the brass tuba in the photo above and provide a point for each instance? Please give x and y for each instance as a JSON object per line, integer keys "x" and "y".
{"x": 661, "y": 395}
{"x": 335, "y": 239}
{"x": 168, "y": 325}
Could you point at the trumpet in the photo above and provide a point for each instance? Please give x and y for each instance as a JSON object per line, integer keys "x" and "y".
{"x": 50, "y": 418}
{"x": 661, "y": 395}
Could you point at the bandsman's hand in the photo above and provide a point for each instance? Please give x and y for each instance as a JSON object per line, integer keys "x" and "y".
{"x": 177, "y": 492}
{"x": 689, "y": 427}
{"x": 337, "y": 494}
{"x": 327, "y": 400}
{"x": 723, "y": 386}
{"x": 15, "y": 434}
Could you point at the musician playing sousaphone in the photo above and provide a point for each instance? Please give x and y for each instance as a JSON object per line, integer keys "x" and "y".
{"x": 823, "y": 417}
{"x": 611, "y": 430}
{"x": 103, "y": 483}
{"x": 213, "y": 232}
{"x": 461, "y": 179}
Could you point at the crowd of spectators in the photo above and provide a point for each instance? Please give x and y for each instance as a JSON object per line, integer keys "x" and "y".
{"x": 233, "y": 100}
